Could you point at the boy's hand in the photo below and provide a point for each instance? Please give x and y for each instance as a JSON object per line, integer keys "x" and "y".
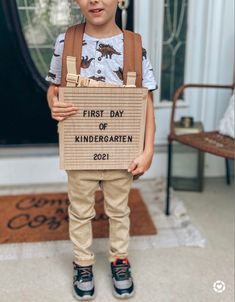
{"x": 140, "y": 164}
{"x": 60, "y": 110}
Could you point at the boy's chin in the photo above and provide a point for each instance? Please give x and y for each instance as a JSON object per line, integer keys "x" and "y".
{"x": 97, "y": 22}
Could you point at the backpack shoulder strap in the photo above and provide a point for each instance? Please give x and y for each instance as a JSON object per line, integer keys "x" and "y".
{"x": 132, "y": 56}
{"x": 72, "y": 48}
{"x": 132, "y": 53}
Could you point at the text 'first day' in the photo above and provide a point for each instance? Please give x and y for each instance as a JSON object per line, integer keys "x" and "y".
{"x": 100, "y": 113}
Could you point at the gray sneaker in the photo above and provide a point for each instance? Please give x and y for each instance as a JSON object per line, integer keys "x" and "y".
{"x": 83, "y": 282}
{"x": 123, "y": 286}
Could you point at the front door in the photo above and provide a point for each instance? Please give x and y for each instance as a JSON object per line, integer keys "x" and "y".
{"x": 28, "y": 31}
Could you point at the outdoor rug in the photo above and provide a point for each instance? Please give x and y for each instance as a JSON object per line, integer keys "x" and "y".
{"x": 173, "y": 231}
{"x": 44, "y": 217}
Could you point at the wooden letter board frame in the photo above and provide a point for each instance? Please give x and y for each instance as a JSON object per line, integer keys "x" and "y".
{"x": 113, "y": 138}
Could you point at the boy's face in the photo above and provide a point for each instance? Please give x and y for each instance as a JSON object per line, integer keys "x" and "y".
{"x": 98, "y": 12}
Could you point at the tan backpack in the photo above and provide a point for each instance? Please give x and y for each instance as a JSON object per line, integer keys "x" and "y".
{"x": 73, "y": 52}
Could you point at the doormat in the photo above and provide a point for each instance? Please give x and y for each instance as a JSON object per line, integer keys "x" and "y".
{"x": 44, "y": 217}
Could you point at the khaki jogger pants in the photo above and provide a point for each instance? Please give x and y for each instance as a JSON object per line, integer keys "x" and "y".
{"x": 82, "y": 185}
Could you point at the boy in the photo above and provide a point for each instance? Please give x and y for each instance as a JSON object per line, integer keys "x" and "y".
{"x": 101, "y": 29}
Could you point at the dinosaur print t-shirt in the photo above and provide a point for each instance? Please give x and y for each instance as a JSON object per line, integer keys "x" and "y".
{"x": 102, "y": 60}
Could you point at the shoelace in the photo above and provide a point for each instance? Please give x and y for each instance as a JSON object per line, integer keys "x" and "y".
{"x": 85, "y": 272}
{"x": 122, "y": 271}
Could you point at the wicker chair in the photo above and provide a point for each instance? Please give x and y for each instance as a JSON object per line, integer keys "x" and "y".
{"x": 212, "y": 142}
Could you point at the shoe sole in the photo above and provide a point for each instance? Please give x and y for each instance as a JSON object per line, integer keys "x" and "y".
{"x": 123, "y": 296}
{"x": 84, "y": 298}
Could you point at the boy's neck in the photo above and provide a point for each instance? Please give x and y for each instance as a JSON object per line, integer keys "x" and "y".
{"x": 102, "y": 31}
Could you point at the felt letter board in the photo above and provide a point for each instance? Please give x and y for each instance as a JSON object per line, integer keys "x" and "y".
{"x": 108, "y": 130}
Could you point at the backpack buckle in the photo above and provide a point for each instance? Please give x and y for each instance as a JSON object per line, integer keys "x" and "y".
{"x": 72, "y": 78}
{"x": 131, "y": 79}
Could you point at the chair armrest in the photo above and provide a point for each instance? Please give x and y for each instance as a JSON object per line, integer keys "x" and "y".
{"x": 181, "y": 89}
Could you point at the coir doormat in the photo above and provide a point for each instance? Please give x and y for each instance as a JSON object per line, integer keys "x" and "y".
{"x": 44, "y": 217}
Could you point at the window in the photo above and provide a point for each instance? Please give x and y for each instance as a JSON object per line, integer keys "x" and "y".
{"x": 42, "y": 21}
{"x": 174, "y": 44}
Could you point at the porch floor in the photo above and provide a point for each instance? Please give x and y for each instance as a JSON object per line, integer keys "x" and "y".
{"x": 184, "y": 274}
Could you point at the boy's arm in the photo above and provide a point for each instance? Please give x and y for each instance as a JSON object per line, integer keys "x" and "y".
{"x": 51, "y": 93}
{"x": 59, "y": 110}
{"x": 142, "y": 163}
{"x": 150, "y": 127}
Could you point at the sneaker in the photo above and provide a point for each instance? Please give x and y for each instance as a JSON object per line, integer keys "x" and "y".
{"x": 123, "y": 286}
{"x": 83, "y": 282}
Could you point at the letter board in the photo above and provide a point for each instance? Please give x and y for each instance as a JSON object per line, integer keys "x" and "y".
{"x": 108, "y": 130}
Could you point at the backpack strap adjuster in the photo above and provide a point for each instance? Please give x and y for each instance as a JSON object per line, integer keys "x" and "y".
{"x": 72, "y": 78}
{"x": 131, "y": 79}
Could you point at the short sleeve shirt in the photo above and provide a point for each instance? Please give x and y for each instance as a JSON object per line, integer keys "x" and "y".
{"x": 102, "y": 60}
